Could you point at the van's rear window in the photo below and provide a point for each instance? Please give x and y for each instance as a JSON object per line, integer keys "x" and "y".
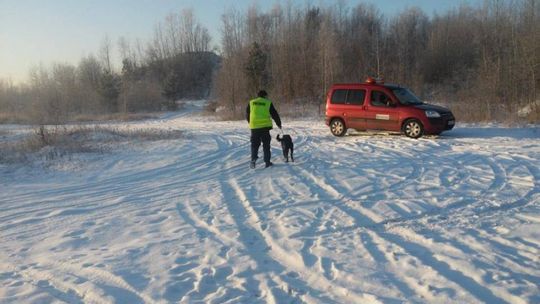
{"x": 343, "y": 96}
{"x": 339, "y": 96}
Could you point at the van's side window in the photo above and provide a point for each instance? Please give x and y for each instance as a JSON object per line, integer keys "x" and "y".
{"x": 380, "y": 99}
{"x": 356, "y": 97}
{"x": 339, "y": 97}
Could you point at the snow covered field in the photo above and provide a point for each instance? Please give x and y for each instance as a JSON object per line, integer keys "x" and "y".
{"x": 367, "y": 218}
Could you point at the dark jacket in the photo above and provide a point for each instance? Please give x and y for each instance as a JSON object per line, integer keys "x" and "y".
{"x": 273, "y": 113}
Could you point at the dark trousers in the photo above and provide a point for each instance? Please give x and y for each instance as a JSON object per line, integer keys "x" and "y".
{"x": 258, "y": 136}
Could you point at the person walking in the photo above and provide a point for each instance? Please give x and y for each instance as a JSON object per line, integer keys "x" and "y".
{"x": 259, "y": 114}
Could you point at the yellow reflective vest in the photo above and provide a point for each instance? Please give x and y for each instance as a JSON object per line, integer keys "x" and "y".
{"x": 259, "y": 113}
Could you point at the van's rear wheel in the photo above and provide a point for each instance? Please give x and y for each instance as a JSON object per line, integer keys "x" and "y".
{"x": 337, "y": 127}
{"x": 413, "y": 128}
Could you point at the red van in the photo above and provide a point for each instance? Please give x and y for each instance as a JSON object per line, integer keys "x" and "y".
{"x": 378, "y": 106}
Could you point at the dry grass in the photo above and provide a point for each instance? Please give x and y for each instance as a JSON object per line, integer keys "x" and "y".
{"x": 146, "y": 134}
{"x": 301, "y": 109}
{"x": 114, "y": 117}
{"x": 479, "y": 112}
{"x": 13, "y": 118}
{"x": 47, "y": 143}
{"x": 534, "y": 115}
{"x": 293, "y": 110}
{"x": 53, "y": 142}
{"x": 211, "y": 107}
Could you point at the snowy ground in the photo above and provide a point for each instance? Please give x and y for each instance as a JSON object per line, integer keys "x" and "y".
{"x": 362, "y": 219}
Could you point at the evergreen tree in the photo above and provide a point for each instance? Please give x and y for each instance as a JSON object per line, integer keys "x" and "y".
{"x": 109, "y": 89}
{"x": 171, "y": 90}
{"x": 256, "y": 69}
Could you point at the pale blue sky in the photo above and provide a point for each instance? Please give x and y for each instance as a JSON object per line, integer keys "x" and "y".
{"x": 46, "y": 31}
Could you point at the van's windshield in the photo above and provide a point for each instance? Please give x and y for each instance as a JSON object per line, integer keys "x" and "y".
{"x": 406, "y": 97}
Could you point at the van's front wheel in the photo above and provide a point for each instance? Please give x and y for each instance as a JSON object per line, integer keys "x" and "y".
{"x": 413, "y": 128}
{"x": 337, "y": 127}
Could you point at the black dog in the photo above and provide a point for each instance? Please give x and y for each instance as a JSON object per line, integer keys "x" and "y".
{"x": 287, "y": 145}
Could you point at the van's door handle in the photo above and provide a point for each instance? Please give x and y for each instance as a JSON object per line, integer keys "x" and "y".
{"x": 344, "y": 114}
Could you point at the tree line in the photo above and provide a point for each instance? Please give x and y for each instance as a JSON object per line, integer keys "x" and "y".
{"x": 177, "y": 63}
{"x": 482, "y": 61}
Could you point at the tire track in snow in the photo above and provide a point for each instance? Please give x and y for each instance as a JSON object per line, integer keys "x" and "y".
{"x": 94, "y": 284}
{"x": 270, "y": 257}
{"x": 275, "y": 285}
{"x": 499, "y": 180}
{"x": 403, "y": 160}
{"x": 253, "y": 241}
{"x": 480, "y": 260}
{"x": 90, "y": 205}
{"x": 308, "y": 257}
{"x": 529, "y": 198}
{"x": 59, "y": 290}
{"x": 442, "y": 268}
{"x": 202, "y": 228}
{"x": 379, "y": 256}
{"x": 333, "y": 197}
{"x": 495, "y": 186}
{"x": 89, "y": 191}
{"x": 212, "y": 274}
{"x": 426, "y": 256}
{"x": 193, "y": 164}
{"x": 109, "y": 189}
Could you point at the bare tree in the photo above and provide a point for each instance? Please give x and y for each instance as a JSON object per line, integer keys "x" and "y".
{"x": 105, "y": 53}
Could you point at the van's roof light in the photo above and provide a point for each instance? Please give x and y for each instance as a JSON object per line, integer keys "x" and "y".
{"x": 371, "y": 80}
